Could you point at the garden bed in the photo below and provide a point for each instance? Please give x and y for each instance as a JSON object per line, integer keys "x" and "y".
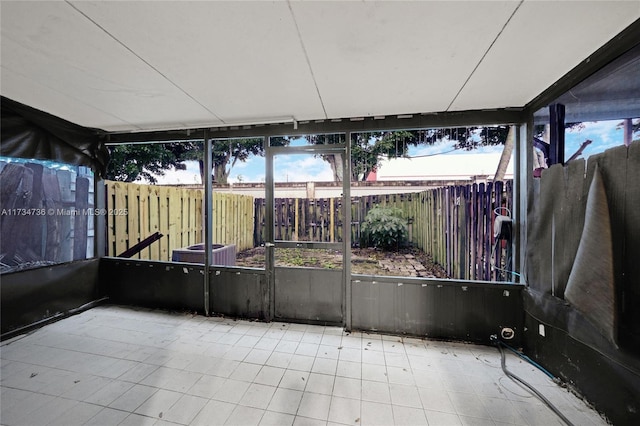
{"x": 369, "y": 261}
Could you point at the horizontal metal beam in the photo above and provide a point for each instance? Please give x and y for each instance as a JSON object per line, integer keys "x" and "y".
{"x": 308, "y": 149}
{"x": 356, "y": 125}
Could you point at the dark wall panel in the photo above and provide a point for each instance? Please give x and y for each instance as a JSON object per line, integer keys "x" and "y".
{"x": 37, "y": 294}
{"x": 239, "y": 292}
{"x": 307, "y": 294}
{"x": 153, "y": 284}
{"x": 446, "y": 309}
{"x": 571, "y": 349}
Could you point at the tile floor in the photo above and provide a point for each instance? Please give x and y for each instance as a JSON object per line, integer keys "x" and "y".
{"x": 129, "y": 366}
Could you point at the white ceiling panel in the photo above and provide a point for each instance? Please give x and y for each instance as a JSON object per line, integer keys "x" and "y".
{"x": 142, "y": 65}
{"x": 242, "y": 60}
{"x": 50, "y": 44}
{"x": 543, "y": 41}
{"x": 51, "y": 100}
{"x": 379, "y": 58}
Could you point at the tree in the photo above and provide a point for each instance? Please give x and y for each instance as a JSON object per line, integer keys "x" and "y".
{"x": 142, "y": 161}
{"x": 225, "y": 154}
{"x": 138, "y": 161}
{"x": 466, "y": 138}
{"x": 506, "y": 155}
{"x": 469, "y": 138}
{"x": 132, "y": 162}
{"x": 367, "y": 149}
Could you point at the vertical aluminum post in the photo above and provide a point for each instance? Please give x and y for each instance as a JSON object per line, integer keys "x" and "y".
{"x": 346, "y": 230}
{"x": 207, "y": 216}
{"x": 269, "y": 249}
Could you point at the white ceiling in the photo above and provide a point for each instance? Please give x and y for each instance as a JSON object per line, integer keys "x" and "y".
{"x": 130, "y": 66}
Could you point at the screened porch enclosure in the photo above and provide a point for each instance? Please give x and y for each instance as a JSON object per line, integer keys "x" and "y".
{"x": 91, "y": 336}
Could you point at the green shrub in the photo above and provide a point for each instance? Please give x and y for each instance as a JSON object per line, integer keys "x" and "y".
{"x": 385, "y": 228}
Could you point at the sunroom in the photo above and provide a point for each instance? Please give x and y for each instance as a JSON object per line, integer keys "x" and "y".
{"x": 119, "y": 308}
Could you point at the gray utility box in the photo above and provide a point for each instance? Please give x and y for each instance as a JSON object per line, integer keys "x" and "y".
{"x": 224, "y": 255}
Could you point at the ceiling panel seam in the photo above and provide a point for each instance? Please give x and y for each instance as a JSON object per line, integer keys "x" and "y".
{"x": 484, "y": 56}
{"x": 143, "y": 60}
{"x": 306, "y": 56}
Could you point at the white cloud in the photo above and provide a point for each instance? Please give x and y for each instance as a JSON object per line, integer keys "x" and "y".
{"x": 603, "y": 134}
{"x": 189, "y": 176}
{"x": 301, "y": 168}
{"x": 251, "y": 170}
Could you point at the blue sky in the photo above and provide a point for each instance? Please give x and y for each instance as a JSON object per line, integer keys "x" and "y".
{"x": 603, "y": 134}
{"x": 303, "y": 168}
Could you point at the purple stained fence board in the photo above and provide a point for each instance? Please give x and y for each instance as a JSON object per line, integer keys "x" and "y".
{"x": 488, "y": 230}
{"x": 464, "y": 240}
{"x": 480, "y": 230}
{"x": 53, "y": 200}
{"x": 80, "y": 225}
{"x": 496, "y": 247}
{"x": 34, "y": 224}
{"x": 16, "y": 193}
{"x": 473, "y": 231}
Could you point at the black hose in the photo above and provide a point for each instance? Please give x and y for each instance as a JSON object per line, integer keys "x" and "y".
{"x": 531, "y": 388}
{"x": 529, "y": 360}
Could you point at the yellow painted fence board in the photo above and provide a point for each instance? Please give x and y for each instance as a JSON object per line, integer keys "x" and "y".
{"x": 177, "y": 214}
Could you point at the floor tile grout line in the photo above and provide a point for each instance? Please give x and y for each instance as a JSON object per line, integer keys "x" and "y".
{"x": 387, "y": 364}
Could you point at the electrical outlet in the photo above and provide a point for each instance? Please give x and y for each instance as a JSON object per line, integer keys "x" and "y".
{"x": 541, "y": 329}
{"x": 507, "y": 333}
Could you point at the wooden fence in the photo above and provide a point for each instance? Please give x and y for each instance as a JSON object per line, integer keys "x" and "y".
{"x": 320, "y": 219}
{"x": 135, "y": 212}
{"x": 301, "y": 219}
{"x": 453, "y": 224}
{"x": 233, "y": 220}
{"x": 46, "y": 216}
